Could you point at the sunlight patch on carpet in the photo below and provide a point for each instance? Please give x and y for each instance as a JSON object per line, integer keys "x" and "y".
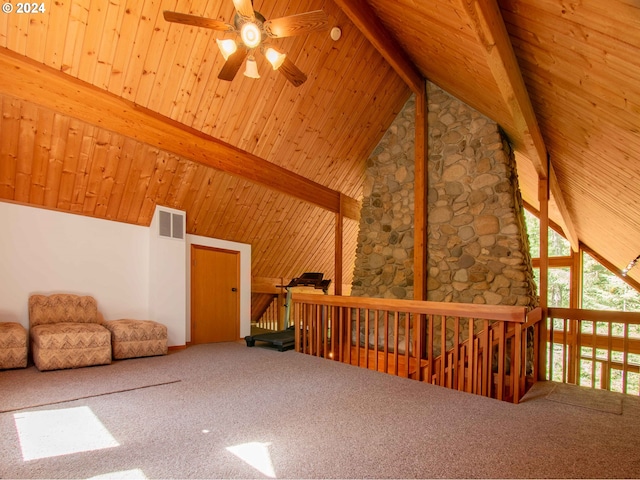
{"x": 51, "y": 433}
{"x": 257, "y": 455}
{"x": 135, "y": 474}
{"x": 600, "y": 400}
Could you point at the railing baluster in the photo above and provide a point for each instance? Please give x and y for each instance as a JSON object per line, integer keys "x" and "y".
{"x": 593, "y": 354}
{"x": 386, "y": 341}
{"x": 443, "y": 348}
{"x": 625, "y": 356}
{"x": 367, "y": 317}
{"x": 470, "y": 356}
{"x": 418, "y": 332}
{"x": 502, "y": 343}
{"x": 516, "y": 362}
{"x": 375, "y": 341}
{"x": 396, "y": 334}
{"x": 486, "y": 362}
{"x": 565, "y": 323}
{"x": 430, "y": 359}
{"x": 407, "y": 342}
{"x": 456, "y": 361}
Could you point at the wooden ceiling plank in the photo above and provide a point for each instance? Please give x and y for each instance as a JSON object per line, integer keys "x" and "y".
{"x": 209, "y": 199}
{"x": 23, "y": 78}
{"x": 585, "y": 115}
{"x": 137, "y": 161}
{"x": 122, "y": 173}
{"x": 127, "y": 33}
{"x": 363, "y": 17}
{"x": 146, "y": 173}
{"x": 149, "y": 16}
{"x": 607, "y": 18}
{"x": 76, "y": 29}
{"x": 221, "y": 202}
{"x": 88, "y": 60}
{"x": 175, "y": 62}
{"x": 41, "y": 155}
{"x": 26, "y": 149}
{"x": 10, "y": 127}
{"x": 83, "y": 169}
{"x": 105, "y": 188}
{"x": 163, "y": 171}
{"x": 171, "y": 164}
{"x": 59, "y": 136}
{"x": 486, "y": 20}
{"x": 156, "y": 41}
{"x": 17, "y": 31}
{"x": 96, "y": 174}
{"x": 201, "y": 67}
{"x": 194, "y": 197}
{"x": 37, "y": 34}
{"x": 112, "y": 34}
{"x": 70, "y": 165}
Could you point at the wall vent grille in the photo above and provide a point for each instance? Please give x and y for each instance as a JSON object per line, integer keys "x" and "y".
{"x": 171, "y": 225}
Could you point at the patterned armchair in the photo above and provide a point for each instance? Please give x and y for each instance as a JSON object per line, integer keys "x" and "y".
{"x": 67, "y": 331}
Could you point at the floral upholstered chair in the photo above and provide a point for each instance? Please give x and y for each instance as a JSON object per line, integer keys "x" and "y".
{"x": 67, "y": 331}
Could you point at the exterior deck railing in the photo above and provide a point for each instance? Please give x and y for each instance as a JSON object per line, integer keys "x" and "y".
{"x": 486, "y": 350}
{"x": 597, "y": 349}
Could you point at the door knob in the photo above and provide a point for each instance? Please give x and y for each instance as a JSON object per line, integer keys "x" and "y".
{"x": 234, "y": 289}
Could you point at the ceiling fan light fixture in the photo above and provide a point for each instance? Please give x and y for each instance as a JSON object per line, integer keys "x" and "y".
{"x": 276, "y": 59}
{"x": 227, "y": 47}
{"x": 251, "y": 69}
{"x": 251, "y": 34}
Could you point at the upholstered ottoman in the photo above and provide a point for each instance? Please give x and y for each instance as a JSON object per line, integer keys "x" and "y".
{"x": 70, "y": 345}
{"x": 13, "y": 345}
{"x": 137, "y": 338}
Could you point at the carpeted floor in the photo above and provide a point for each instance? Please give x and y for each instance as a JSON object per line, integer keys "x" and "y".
{"x": 241, "y": 412}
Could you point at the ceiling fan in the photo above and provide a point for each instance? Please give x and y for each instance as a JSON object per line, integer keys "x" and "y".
{"x": 253, "y": 33}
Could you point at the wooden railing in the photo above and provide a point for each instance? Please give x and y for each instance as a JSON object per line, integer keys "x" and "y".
{"x": 270, "y": 318}
{"x": 486, "y": 350}
{"x": 597, "y": 349}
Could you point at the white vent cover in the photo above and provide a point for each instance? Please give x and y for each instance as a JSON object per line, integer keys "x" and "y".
{"x": 170, "y": 225}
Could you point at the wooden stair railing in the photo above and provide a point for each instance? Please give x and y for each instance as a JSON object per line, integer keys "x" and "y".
{"x": 488, "y": 350}
{"x": 265, "y": 311}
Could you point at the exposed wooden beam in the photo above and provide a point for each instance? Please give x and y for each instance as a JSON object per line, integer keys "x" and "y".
{"x": 26, "y": 79}
{"x": 364, "y": 18}
{"x": 565, "y": 219}
{"x": 421, "y": 213}
{"x": 486, "y": 21}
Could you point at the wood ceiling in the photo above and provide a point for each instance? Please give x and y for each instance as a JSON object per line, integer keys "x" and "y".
{"x": 108, "y": 110}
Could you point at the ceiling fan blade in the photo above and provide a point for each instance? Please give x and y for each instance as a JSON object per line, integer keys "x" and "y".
{"x": 292, "y": 73}
{"x": 245, "y": 8}
{"x": 232, "y": 65}
{"x": 297, "y": 24}
{"x": 196, "y": 21}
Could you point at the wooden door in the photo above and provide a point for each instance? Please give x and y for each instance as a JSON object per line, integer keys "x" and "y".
{"x": 215, "y": 295}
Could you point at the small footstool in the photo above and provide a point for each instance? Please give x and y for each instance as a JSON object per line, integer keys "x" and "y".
{"x": 13, "y": 345}
{"x": 137, "y": 338}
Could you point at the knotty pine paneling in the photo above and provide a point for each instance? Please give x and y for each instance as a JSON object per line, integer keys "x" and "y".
{"x": 580, "y": 62}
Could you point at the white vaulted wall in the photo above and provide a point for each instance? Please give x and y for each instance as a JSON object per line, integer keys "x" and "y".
{"x": 44, "y": 251}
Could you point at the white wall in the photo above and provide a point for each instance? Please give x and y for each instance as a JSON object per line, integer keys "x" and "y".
{"x": 44, "y": 251}
{"x": 167, "y": 280}
{"x": 245, "y": 277}
{"x": 126, "y": 268}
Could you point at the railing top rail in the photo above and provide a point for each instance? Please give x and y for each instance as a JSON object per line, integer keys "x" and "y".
{"x": 465, "y": 310}
{"x": 595, "y": 315}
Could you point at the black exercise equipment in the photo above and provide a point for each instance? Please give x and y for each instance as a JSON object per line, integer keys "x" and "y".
{"x": 285, "y": 339}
